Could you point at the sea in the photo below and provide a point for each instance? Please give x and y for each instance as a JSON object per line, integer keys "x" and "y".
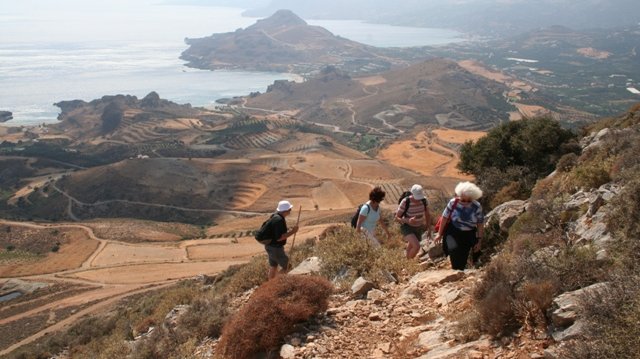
{"x": 85, "y": 49}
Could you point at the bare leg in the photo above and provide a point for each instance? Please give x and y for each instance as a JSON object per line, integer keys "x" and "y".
{"x": 273, "y": 271}
{"x": 413, "y": 246}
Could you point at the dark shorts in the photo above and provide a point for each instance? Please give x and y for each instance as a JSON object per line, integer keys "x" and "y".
{"x": 406, "y": 229}
{"x": 277, "y": 256}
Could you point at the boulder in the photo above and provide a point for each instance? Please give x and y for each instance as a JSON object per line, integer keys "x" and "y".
{"x": 173, "y": 317}
{"x": 447, "y": 295}
{"x": 568, "y": 309}
{"x": 437, "y": 277}
{"x": 433, "y": 250}
{"x": 287, "y": 351}
{"x": 311, "y": 265}
{"x": 410, "y": 292}
{"x": 376, "y": 295}
{"x": 507, "y": 213}
{"x": 593, "y": 230}
{"x": 594, "y": 139}
{"x": 360, "y": 287}
{"x": 575, "y": 331}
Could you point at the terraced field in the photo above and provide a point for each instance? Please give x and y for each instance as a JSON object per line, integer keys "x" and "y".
{"x": 140, "y": 132}
{"x": 245, "y": 194}
{"x": 254, "y": 140}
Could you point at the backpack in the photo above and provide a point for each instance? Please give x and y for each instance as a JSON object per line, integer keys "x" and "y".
{"x": 265, "y": 233}
{"x": 442, "y": 219}
{"x": 406, "y": 194}
{"x": 354, "y": 219}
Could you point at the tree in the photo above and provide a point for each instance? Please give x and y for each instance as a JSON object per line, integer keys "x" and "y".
{"x": 516, "y": 154}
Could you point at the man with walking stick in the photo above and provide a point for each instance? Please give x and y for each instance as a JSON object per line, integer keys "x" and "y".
{"x": 275, "y": 233}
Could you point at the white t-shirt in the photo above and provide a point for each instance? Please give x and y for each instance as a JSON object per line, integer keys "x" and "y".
{"x": 372, "y": 217}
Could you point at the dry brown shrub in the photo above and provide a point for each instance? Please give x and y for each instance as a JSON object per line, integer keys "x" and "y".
{"x": 533, "y": 301}
{"x": 494, "y": 299}
{"x": 508, "y": 193}
{"x": 271, "y": 314}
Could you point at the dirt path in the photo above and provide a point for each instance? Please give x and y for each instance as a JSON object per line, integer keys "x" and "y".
{"x": 205, "y": 210}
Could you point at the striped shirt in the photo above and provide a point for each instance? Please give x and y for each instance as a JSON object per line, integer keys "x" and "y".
{"x": 466, "y": 216}
{"x": 416, "y": 209}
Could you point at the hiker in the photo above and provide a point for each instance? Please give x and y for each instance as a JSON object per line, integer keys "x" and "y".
{"x": 278, "y": 234}
{"x": 413, "y": 214}
{"x": 462, "y": 225}
{"x": 370, "y": 215}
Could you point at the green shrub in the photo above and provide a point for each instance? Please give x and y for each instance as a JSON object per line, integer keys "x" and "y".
{"x": 205, "y": 317}
{"x": 567, "y": 162}
{"x": 521, "y": 151}
{"x": 238, "y": 279}
{"x": 591, "y": 175}
{"x": 271, "y": 313}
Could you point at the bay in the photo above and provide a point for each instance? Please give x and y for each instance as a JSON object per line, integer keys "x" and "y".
{"x": 72, "y": 49}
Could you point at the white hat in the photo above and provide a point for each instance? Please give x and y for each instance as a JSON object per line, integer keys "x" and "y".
{"x": 417, "y": 192}
{"x": 283, "y": 206}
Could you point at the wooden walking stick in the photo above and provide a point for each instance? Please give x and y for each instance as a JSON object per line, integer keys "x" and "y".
{"x": 293, "y": 241}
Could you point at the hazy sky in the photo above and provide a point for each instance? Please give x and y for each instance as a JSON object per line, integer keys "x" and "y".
{"x": 114, "y": 20}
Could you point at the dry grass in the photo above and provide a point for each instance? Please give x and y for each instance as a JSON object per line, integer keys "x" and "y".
{"x": 74, "y": 247}
{"x": 344, "y": 250}
{"x": 272, "y": 313}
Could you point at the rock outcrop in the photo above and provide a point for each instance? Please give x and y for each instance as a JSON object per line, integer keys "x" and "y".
{"x": 5, "y": 116}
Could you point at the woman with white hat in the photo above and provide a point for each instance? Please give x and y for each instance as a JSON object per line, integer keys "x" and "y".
{"x": 413, "y": 215}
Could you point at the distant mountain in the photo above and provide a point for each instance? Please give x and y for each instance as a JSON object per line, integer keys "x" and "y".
{"x": 473, "y": 16}
{"x": 283, "y": 42}
{"x": 433, "y": 92}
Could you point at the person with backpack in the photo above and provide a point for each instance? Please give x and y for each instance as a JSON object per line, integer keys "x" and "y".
{"x": 462, "y": 225}
{"x": 369, "y": 216}
{"x": 273, "y": 234}
{"x": 414, "y": 219}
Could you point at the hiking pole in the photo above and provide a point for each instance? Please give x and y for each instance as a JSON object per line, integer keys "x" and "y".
{"x": 293, "y": 241}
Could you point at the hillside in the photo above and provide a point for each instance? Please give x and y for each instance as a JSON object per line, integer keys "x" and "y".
{"x": 433, "y": 92}
{"x": 577, "y": 75}
{"x": 558, "y": 278}
{"x": 283, "y": 42}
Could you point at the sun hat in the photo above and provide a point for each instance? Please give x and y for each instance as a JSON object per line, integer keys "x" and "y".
{"x": 283, "y": 206}
{"x": 417, "y": 192}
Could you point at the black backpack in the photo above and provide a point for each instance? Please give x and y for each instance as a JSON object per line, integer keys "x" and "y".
{"x": 354, "y": 219}
{"x": 264, "y": 235}
{"x": 406, "y": 194}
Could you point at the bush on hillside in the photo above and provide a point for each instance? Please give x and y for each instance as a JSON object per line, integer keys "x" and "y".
{"x": 521, "y": 151}
{"x": 239, "y": 278}
{"x": 519, "y": 284}
{"x": 612, "y": 317}
{"x": 271, "y": 313}
{"x": 612, "y": 330}
{"x": 343, "y": 249}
